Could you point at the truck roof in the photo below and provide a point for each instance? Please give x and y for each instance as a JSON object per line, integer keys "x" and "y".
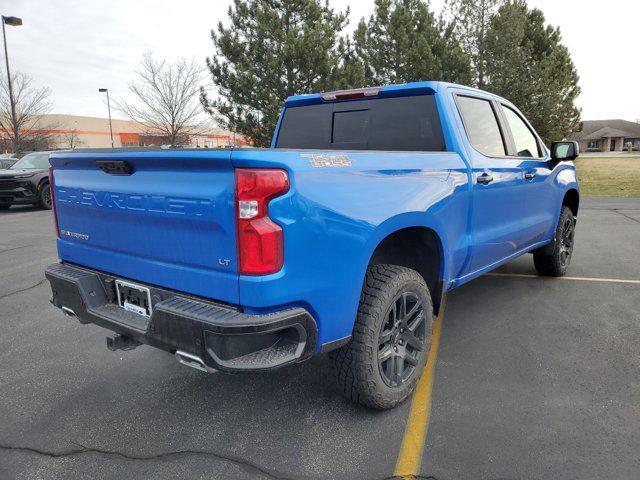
{"x": 383, "y": 91}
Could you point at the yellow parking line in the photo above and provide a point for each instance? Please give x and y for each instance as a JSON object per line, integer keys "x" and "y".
{"x": 581, "y": 279}
{"x": 415, "y": 434}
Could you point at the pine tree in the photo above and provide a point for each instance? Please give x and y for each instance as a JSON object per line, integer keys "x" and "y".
{"x": 470, "y": 21}
{"x": 403, "y": 42}
{"x": 349, "y": 71}
{"x": 270, "y": 50}
{"x": 530, "y": 67}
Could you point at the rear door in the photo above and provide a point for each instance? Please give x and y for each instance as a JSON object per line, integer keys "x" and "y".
{"x": 160, "y": 217}
{"x": 497, "y": 182}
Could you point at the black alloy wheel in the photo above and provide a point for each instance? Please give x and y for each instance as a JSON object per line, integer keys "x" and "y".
{"x": 566, "y": 241}
{"x": 45, "y": 197}
{"x": 553, "y": 260}
{"x": 401, "y": 339}
{"x": 386, "y": 355}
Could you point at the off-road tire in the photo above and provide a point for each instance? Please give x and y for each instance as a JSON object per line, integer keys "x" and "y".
{"x": 557, "y": 263}
{"x": 356, "y": 365}
{"x": 45, "y": 197}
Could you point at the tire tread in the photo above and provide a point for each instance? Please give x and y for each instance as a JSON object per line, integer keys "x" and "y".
{"x": 356, "y": 364}
{"x": 550, "y": 265}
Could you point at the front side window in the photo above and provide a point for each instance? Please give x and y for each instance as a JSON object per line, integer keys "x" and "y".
{"x": 526, "y": 144}
{"x": 481, "y": 125}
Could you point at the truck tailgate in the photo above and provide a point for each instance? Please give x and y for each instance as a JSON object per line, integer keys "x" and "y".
{"x": 170, "y": 222}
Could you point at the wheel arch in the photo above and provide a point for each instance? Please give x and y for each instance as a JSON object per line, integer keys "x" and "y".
{"x": 41, "y": 182}
{"x": 40, "y": 185}
{"x": 418, "y": 248}
{"x": 572, "y": 200}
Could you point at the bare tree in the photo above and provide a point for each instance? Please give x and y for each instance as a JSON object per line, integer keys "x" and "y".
{"x": 165, "y": 99}
{"x": 27, "y": 131}
{"x": 71, "y": 140}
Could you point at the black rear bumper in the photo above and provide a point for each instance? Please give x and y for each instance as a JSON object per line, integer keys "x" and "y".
{"x": 224, "y": 338}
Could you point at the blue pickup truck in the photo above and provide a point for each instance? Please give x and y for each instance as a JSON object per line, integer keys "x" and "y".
{"x": 342, "y": 237}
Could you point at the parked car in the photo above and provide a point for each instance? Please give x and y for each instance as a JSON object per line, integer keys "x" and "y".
{"x": 26, "y": 182}
{"x": 6, "y": 160}
{"x": 342, "y": 237}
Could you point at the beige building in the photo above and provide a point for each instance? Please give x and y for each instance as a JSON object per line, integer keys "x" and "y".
{"x": 607, "y": 136}
{"x": 72, "y": 131}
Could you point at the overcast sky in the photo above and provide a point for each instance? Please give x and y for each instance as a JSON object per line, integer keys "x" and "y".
{"x": 76, "y": 46}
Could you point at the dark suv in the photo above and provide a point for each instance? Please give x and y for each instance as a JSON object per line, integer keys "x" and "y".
{"x": 26, "y": 182}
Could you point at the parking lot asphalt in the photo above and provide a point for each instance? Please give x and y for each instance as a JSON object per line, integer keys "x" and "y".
{"x": 535, "y": 379}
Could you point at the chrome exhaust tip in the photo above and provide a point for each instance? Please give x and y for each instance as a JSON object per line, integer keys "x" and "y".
{"x": 193, "y": 361}
{"x": 67, "y": 311}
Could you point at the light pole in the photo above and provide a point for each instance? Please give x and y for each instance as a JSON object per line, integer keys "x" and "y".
{"x": 14, "y": 22}
{"x": 106, "y": 90}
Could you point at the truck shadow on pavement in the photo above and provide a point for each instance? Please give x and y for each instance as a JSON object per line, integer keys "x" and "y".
{"x": 143, "y": 406}
{"x": 73, "y": 405}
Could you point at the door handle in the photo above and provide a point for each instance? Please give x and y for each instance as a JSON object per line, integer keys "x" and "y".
{"x": 485, "y": 178}
{"x": 529, "y": 175}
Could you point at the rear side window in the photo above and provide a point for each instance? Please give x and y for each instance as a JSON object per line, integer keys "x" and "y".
{"x": 400, "y": 123}
{"x": 526, "y": 143}
{"x": 481, "y": 125}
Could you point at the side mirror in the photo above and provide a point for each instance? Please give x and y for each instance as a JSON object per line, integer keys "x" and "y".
{"x": 564, "y": 151}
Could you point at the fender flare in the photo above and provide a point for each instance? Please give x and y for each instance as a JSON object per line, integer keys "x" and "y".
{"x": 400, "y": 222}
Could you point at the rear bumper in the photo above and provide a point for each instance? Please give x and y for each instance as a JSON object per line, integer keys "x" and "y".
{"x": 223, "y": 337}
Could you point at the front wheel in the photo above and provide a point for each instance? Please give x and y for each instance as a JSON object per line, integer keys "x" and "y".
{"x": 45, "y": 197}
{"x": 557, "y": 263}
{"x": 382, "y": 363}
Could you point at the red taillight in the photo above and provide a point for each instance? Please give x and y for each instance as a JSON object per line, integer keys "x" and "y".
{"x": 53, "y": 202}
{"x": 260, "y": 241}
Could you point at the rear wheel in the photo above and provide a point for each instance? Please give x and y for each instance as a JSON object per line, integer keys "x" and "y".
{"x": 557, "y": 263}
{"x": 387, "y": 353}
{"x": 45, "y": 197}
{"x": 5, "y": 207}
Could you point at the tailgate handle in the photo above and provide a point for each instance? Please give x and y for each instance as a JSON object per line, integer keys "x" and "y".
{"x": 115, "y": 167}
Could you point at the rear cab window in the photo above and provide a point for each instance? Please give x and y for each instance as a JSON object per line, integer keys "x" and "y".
{"x": 407, "y": 123}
